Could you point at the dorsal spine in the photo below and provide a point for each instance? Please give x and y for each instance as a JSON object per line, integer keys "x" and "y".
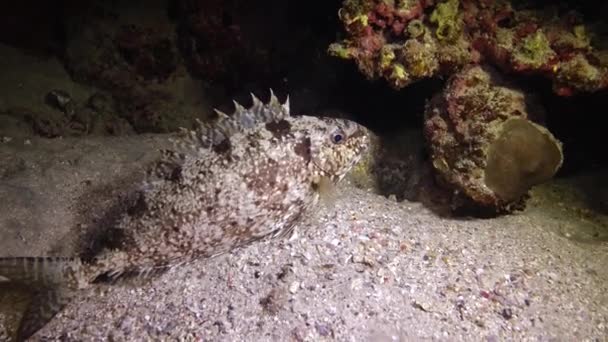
{"x": 209, "y": 134}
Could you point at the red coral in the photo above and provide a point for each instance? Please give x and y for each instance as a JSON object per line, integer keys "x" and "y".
{"x": 383, "y": 10}
{"x": 371, "y": 42}
{"x": 564, "y": 91}
{"x": 525, "y": 29}
{"x": 384, "y": 16}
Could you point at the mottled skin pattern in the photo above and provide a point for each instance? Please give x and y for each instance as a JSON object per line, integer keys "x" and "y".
{"x": 253, "y": 182}
{"x": 224, "y": 185}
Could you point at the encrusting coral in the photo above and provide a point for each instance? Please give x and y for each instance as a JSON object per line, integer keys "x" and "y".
{"x": 404, "y": 41}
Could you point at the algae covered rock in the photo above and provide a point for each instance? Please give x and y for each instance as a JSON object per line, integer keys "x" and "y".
{"x": 486, "y": 141}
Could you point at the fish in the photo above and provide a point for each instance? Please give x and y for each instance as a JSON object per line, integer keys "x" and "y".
{"x": 222, "y": 185}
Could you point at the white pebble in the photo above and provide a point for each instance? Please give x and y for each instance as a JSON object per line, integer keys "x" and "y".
{"x": 293, "y": 288}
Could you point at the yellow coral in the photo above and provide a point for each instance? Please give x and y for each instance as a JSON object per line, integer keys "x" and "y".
{"x": 580, "y": 32}
{"x": 579, "y": 73}
{"x": 505, "y": 38}
{"x": 534, "y": 50}
{"x": 420, "y": 69}
{"x": 339, "y": 50}
{"x": 447, "y": 19}
{"x": 387, "y": 55}
{"x": 398, "y": 72}
{"x": 419, "y": 58}
{"x": 415, "y": 28}
{"x": 353, "y": 10}
{"x": 363, "y": 18}
{"x": 406, "y": 5}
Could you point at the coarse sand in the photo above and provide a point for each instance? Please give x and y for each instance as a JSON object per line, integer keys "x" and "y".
{"x": 361, "y": 268}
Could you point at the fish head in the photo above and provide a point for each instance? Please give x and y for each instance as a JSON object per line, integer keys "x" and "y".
{"x": 336, "y": 145}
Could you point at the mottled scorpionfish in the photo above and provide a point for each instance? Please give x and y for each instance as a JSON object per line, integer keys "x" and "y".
{"x": 223, "y": 185}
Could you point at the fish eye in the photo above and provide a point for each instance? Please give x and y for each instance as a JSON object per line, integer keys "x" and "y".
{"x": 337, "y": 137}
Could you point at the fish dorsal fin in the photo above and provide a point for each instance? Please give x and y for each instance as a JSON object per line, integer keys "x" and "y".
{"x": 211, "y": 134}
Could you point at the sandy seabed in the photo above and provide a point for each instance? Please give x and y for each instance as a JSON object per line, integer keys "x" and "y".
{"x": 361, "y": 268}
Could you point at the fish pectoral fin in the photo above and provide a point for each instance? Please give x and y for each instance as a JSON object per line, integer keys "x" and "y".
{"x": 131, "y": 274}
{"x": 44, "y": 305}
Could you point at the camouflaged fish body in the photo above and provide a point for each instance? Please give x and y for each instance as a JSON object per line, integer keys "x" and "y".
{"x": 223, "y": 185}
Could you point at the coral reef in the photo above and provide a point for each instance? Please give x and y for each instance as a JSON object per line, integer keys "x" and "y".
{"x": 486, "y": 141}
{"x": 397, "y": 41}
{"x": 404, "y": 41}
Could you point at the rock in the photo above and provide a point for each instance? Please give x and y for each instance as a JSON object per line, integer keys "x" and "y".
{"x": 129, "y": 53}
{"x": 486, "y": 141}
{"x": 524, "y": 154}
{"x": 60, "y": 100}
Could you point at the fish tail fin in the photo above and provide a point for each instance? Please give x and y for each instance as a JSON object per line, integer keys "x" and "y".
{"x": 44, "y": 305}
{"x": 38, "y": 271}
{"x": 53, "y": 280}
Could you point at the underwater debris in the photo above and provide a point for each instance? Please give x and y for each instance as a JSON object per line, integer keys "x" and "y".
{"x": 429, "y": 39}
{"x": 486, "y": 142}
{"x": 223, "y": 185}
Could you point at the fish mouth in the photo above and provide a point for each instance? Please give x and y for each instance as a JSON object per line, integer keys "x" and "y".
{"x": 353, "y": 130}
{"x": 336, "y": 177}
{"x": 323, "y": 172}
